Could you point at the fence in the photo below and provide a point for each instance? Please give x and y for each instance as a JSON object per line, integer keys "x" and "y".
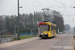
{"x": 6, "y": 38}
{"x": 26, "y": 34}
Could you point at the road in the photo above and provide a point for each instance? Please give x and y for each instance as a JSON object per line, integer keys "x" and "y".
{"x": 60, "y": 42}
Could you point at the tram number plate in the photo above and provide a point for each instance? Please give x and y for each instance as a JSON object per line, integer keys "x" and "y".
{"x": 42, "y": 33}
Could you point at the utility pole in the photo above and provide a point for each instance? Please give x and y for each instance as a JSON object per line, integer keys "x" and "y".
{"x": 14, "y": 26}
{"x": 34, "y": 23}
{"x": 18, "y": 22}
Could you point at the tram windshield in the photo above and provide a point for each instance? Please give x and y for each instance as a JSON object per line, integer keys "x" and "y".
{"x": 43, "y": 28}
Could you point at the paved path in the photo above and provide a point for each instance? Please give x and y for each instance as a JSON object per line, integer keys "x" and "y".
{"x": 60, "y": 42}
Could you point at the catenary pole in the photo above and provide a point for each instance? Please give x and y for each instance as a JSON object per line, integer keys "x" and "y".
{"x": 18, "y": 22}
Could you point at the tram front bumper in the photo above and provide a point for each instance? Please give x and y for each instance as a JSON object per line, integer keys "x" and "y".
{"x": 42, "y": 34}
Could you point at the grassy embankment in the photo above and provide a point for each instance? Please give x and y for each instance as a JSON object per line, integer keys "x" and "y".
{"x": 24, "y": 37}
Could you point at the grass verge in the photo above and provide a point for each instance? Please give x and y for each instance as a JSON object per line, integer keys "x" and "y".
{"x": 24, "y": 37}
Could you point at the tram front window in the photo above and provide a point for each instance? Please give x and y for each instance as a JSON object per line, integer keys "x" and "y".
{"x": 43, "y": 28}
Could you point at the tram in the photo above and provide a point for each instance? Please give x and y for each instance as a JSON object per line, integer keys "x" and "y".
{"x": 46, "y": 29}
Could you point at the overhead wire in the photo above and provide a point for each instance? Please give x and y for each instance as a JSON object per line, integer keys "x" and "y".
{"x": 43, "y": 5}
{"x": 64, "y": 4}
{"x": 72, "y": 9}
{"x": 70, "y": 2}
{"x": 40, "y": 3}
{"x": 50, "y": 6}
{"x": 22, "y": 1}
{"x": 65, "y": 9}
{"x": 36, "y": 1}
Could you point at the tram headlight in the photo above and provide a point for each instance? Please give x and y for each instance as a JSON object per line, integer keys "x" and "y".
{"x": 42, "y": 33}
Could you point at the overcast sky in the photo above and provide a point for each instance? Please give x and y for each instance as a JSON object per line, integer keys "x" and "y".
{"x": 65, "y": 7}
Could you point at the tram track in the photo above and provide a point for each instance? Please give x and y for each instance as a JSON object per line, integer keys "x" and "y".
{"x": 22, "y": 44}
{"x": 59, "y": 42}
{"x": 65, "y": 42}
{"x": 29, "y": 45}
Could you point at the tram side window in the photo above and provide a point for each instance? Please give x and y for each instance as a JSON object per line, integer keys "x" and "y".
{"x": 55, "y": 28}
{"x": 48, "y": 27}
{"x": 51, "y": 27}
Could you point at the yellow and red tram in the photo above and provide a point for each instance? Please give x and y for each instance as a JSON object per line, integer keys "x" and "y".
{"x": 46, "y": 29}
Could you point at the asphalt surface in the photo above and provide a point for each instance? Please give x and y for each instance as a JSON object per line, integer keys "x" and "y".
{"x": 60, "y": 42}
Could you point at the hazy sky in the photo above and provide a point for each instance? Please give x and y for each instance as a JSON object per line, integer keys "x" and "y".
{"x": 65, "y": 7}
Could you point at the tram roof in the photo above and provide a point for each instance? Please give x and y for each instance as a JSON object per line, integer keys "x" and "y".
{"x": 44, "y": 23}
